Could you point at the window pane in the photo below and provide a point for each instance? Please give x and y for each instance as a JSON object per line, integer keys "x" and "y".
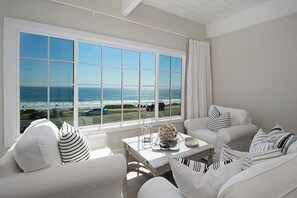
{"x": 33, "y": 46}
{"x": 89, "y": 96}
{"x": 88, "y": 53}
{"x": 164, "y": 95}
{"x": 175, "y": 108}
{"x": 61, "y": 96}
{"x": 131, "y": 59}
{"x": 176, "y": 79}
{"x": 29, "y": 115}
{"x": 33, "y": 71}
{"x": 61, "y": 72}
{"x": 147, "y": 77}
{"x": 164, "y": 62}
{"x": 130, "y": 112}
{"x": 148, "y": 61}
{"x": 60, "y": 115}
{"x": 164, "y": 112}
{"x": 61, "y": 49}
{"x": 112, "y": 56}
{"x": 114, "y": 113}
{"x": 89, "y": 74}
{"x": 111, "y": 95}
{"x": 147, "y": 94}
{"x": 176, "y": 64}
{"x": 146, "y": 112}
{"x": 111, "y": 76}
{"x": 131, "y": 77}
{"x": 175, "y": 93}
{"x": 164, "y": 79}
{"x": 90, "y": 115}
{"x": 33, "y": 96}
{"x": 130, "y": 94}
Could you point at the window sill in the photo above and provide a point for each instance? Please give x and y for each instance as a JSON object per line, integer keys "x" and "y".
{"x": 116, "y": 127}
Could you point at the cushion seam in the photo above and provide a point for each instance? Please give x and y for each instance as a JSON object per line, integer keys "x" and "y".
{"x": 42, "y": 154}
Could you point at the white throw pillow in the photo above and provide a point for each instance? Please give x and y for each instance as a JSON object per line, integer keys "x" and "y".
{"x": 193, "y": 184}
{"x": 37, "y": 148}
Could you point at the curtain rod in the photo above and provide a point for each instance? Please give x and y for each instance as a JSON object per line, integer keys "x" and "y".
{"x": 120, "y": 18}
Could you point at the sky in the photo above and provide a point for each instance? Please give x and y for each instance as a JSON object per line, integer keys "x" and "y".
{"x": 36, "y": 50}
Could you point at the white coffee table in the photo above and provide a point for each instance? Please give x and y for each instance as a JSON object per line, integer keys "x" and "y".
{"x": 157, "y": 161}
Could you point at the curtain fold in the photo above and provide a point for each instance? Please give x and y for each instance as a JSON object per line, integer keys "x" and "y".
{"x": 198, "y": 80}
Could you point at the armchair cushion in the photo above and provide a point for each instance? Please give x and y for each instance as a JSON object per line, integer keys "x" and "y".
{"x": 38, "y": 148}
{"x": 206, "y": 135}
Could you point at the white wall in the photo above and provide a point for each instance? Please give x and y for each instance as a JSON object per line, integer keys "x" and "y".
{"x": 256, "y": 69}
{"x": 54, "y": 14}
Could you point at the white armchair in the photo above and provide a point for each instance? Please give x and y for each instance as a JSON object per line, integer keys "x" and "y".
{"x": 238, "y": 136}
{"x": 101, "y": 176}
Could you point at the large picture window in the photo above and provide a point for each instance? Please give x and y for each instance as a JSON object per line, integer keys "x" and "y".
{"x": 89, "y": 83}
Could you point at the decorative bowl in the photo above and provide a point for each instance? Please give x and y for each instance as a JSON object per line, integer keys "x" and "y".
{"x": 191, "y": 142}
{"x": 167, "y": 132}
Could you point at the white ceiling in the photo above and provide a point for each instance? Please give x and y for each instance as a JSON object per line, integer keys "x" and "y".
{"x": 204, "y": 11}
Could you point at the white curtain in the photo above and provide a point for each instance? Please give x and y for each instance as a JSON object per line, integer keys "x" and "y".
{"x": 198, "y": 80}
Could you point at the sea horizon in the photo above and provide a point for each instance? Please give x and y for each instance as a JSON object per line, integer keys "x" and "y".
{"x": 36, "y": 97}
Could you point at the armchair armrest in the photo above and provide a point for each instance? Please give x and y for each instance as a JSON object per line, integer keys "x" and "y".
{"x": 100, "y": 177}
{"x": 97, "y": 141}
{"x": 235, "y": 133}
{"x": 195, "y": 124}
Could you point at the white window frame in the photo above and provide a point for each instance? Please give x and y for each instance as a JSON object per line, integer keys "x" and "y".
{"x": 12, "y": 29}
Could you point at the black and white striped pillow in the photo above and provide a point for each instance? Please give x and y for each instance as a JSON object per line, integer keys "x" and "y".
{"x": 214, "y": 113}
{"x": 202, "y": 167}
{"x": 218, "y": 121}
{"x": 281, "y": 139}
{"x": 65, "y": 128}
{"x": 229, "y": 154}
{"x": 73, "y": 145}
{"x": 257, "y": 157}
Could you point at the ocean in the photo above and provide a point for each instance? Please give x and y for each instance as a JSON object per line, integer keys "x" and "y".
{"x": 35, "y": 96}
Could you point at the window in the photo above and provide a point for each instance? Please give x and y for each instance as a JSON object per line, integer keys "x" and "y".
{"x": 46, "y": 79}
{"x": 88, "y": 82}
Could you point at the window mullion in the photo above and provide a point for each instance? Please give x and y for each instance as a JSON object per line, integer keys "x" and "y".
{"x": 101, "y": 73}
{"x": 75, "y": 84}
{"x": 157, "y": 88}
{"x": 48, "y": 78}
{"x": 122, "y": 86}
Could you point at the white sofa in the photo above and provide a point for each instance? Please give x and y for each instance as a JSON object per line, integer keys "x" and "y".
{"x": 238, "y": 136}
{"x": 273, "y": 178}
{"x": 101, "y": 176}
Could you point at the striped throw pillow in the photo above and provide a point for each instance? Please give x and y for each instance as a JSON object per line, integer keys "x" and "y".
{"x": 202, "y": 167}
{"x": 257, "y": 157}
{"x": 65, "y": 128}
{"x": 73, "y": 145}
{"x": 281, "y": 139}
{"x": 262, "y": 148}
{"x": 228, "y": 154}
{"x": 218, "y": 121}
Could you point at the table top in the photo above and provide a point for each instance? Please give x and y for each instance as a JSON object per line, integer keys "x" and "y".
{"x": 160, "y": 158}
